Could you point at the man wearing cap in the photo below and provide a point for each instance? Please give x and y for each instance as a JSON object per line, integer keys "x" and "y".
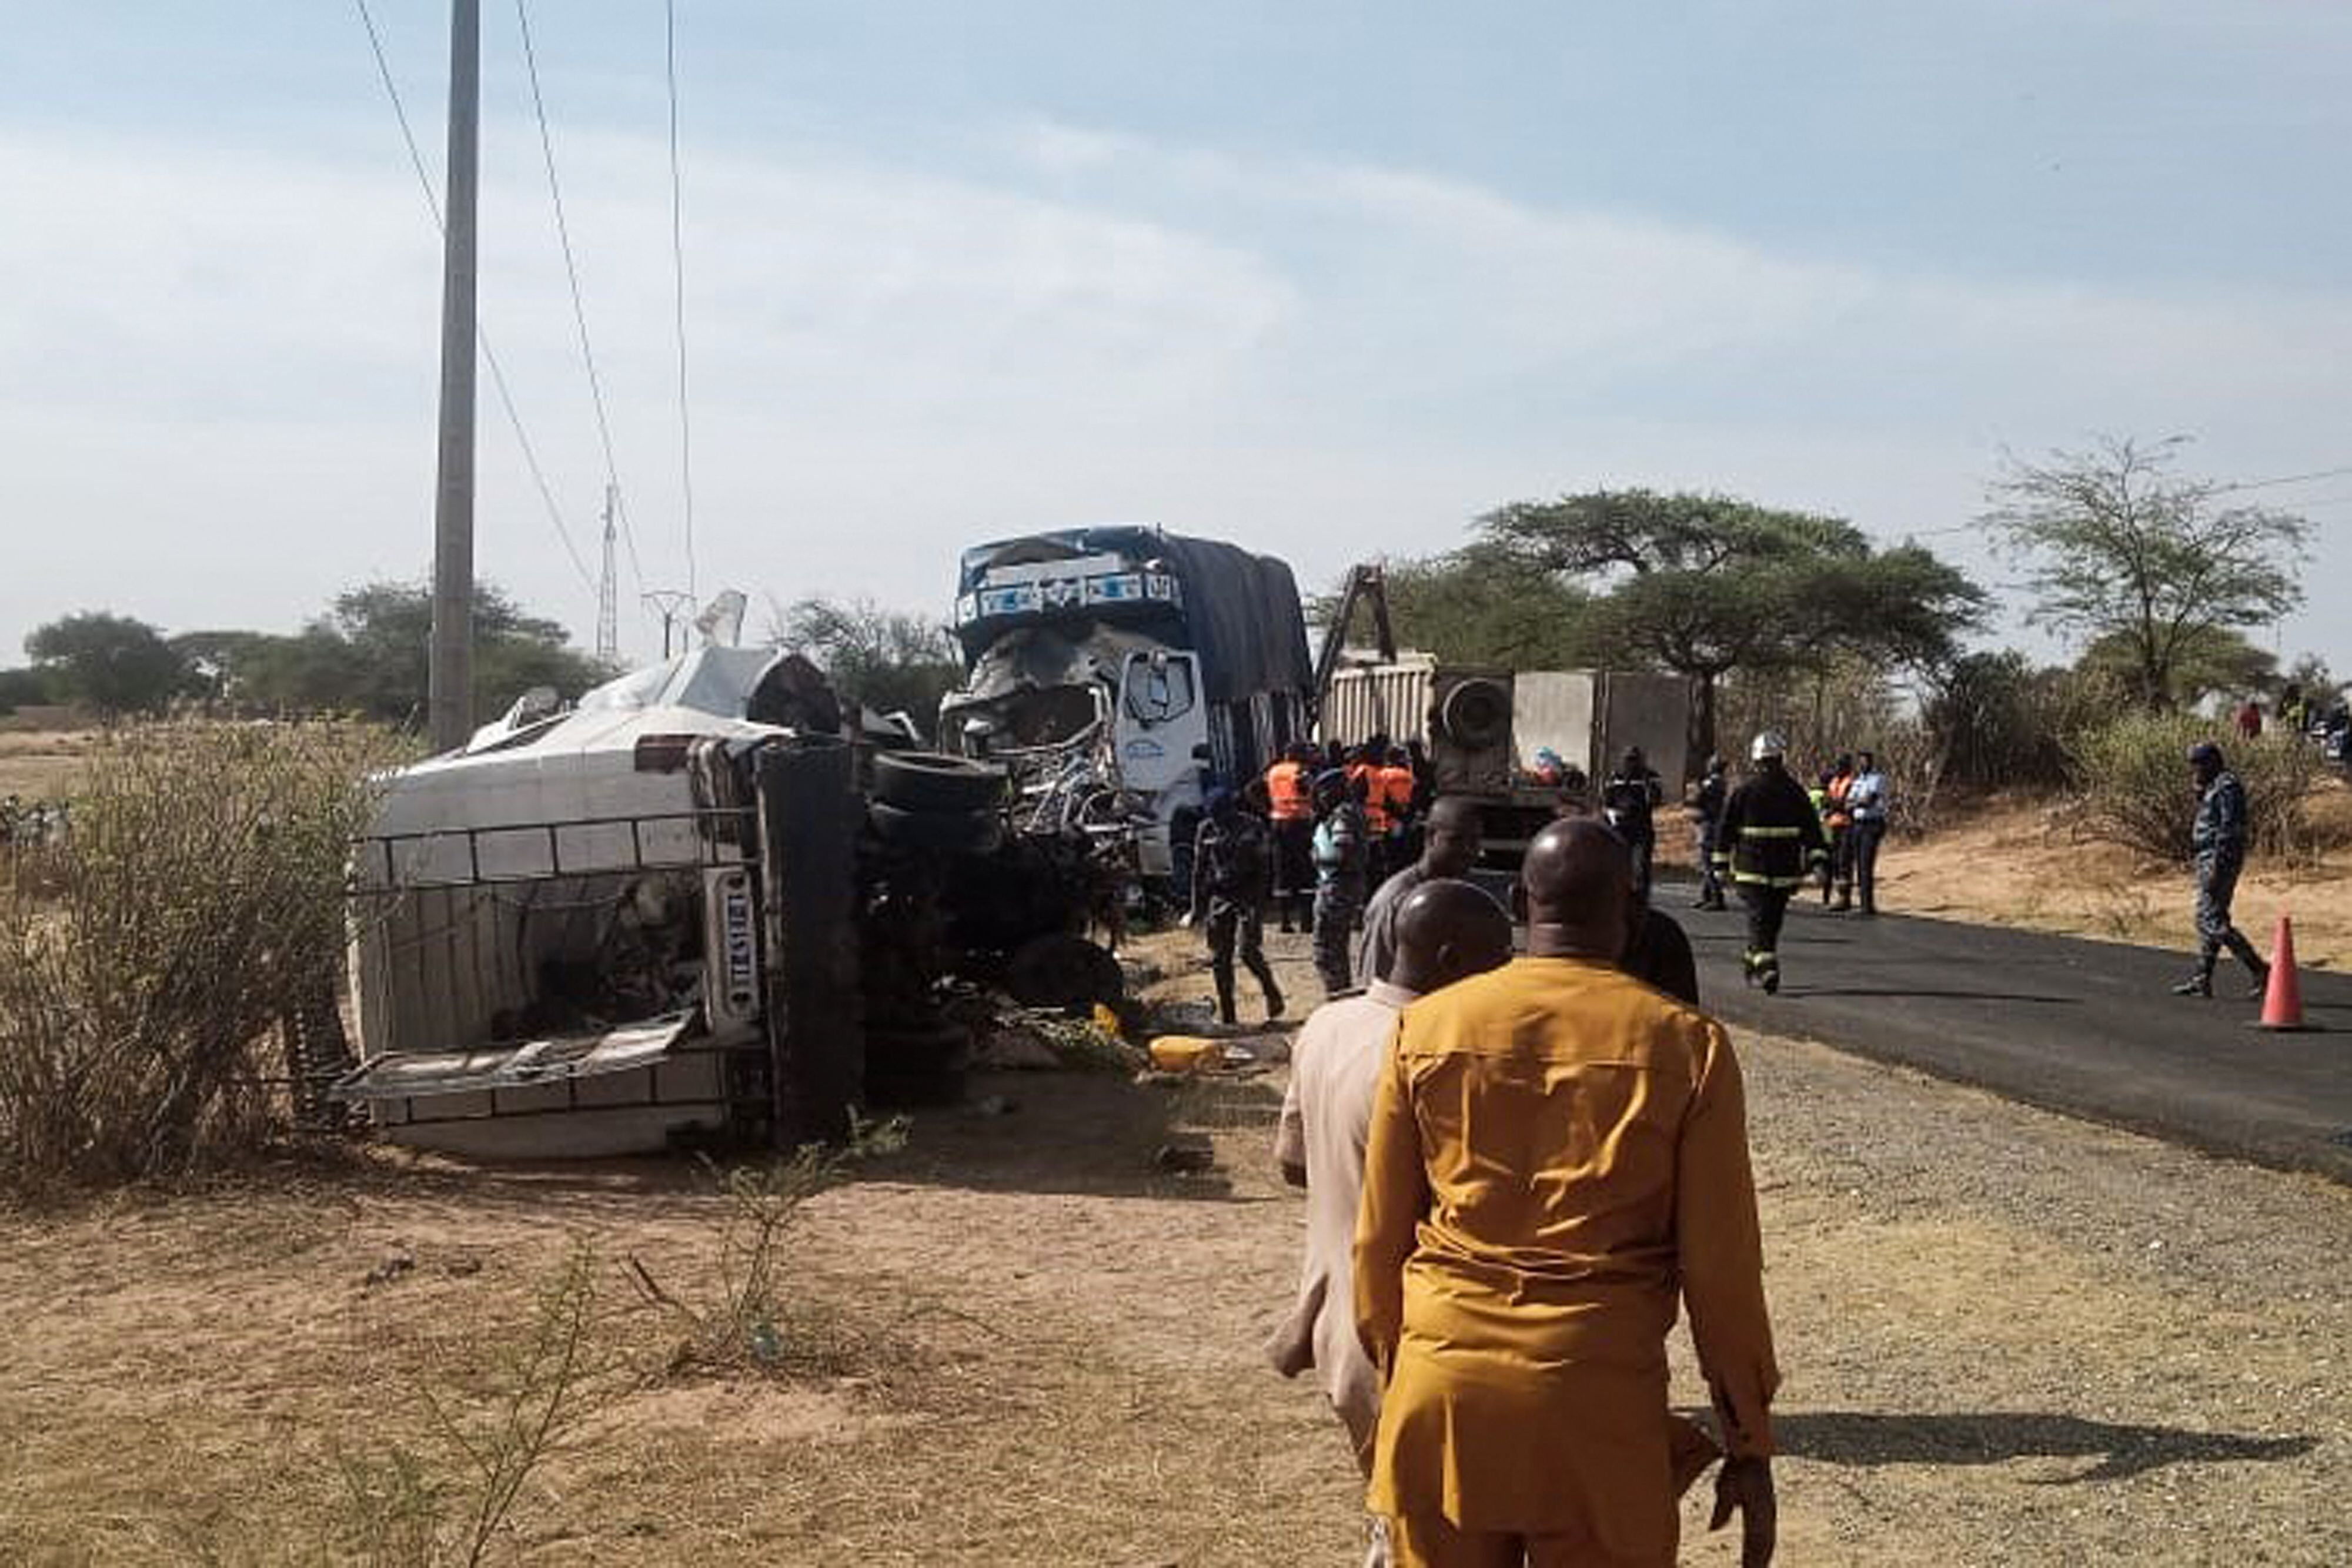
{"x": 1446, "y": 931}
{"x": 1771, "y": 837}
{"x": 2218, "y": 843}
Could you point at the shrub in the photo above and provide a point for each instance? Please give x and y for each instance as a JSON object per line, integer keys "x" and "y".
{"x": 194, "y": 913}
{"x": 2136, "y": 790}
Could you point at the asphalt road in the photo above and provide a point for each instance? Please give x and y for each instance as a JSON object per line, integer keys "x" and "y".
{"x": 2086, "y": 1027}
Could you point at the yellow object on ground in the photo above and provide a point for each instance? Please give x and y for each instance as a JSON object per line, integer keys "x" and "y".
{"x": 1186, "y": 1053}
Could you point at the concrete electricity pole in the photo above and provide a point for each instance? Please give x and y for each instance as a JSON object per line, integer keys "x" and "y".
{"x": 450, "y": 681}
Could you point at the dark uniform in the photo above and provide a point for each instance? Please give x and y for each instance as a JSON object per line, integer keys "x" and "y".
{"x": 2218, "y": 841}
{"x": 1343, "y": 845}
{"x": 1706, "y": 820}
{"x": 1630, "y": 798}
{"x": 1232, "y": 870}
{"x": 1770, "y": 838}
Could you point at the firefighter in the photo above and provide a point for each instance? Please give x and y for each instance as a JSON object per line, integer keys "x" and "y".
{"x": 1707, "y": 800}
{"x": 1343, "y": 844}
{"x": 1770, "y": 837}
{"x": 2217, "y": 839}
{"x": 1229, "y": 874}
{"x": 1291, "y": 805}
{"x": 1837, "y": 825}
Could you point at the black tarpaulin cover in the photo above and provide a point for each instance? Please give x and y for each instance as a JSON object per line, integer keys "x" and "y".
{"x": 1241, "y": 611}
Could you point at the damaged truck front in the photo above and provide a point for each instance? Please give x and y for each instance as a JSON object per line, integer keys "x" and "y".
{"x": 1103, "y": 667}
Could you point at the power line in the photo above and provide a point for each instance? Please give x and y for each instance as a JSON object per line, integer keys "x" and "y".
{"x": 489, "y": 358}
{"x": 2284, "y": 479}
{"x": 572, "y": 271}
{"x": 677, "y": 271}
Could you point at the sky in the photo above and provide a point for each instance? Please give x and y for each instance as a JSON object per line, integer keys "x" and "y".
{"x": 1329, "y": 281}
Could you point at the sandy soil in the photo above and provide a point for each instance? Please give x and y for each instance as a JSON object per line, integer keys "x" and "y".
{"x": 2019, "y": 863}
{"x": 39, "y": 764}
{"x": 2009, "y": 1339}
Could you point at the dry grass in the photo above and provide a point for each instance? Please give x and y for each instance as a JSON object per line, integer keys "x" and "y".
{"x": 2023, "y": 863}
{"x": 2008, "y": 1338}
{"x": 41, "y": 765}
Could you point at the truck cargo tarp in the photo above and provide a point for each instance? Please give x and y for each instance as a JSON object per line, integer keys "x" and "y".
{"x": 1241, "y": 609}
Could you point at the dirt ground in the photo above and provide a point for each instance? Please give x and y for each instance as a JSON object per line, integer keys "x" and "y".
{"x": 2019, "y": 863}
{"x": 39, "y": 764}
{"x": 2008, "y": 1338}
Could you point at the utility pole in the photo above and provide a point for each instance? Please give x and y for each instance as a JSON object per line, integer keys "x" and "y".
{"x": 669, "y": 603}
{"x": 608, "y": 607}
{"x": 450, "y": 681}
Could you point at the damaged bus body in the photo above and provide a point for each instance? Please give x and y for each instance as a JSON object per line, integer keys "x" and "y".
{"x": 617, "y": 929}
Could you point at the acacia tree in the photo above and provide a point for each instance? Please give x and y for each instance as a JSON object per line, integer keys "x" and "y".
{"x": 1703, "y": 585}
{"x": 2121, "y": 547}
{"x": 116, "y": 663}
{"x": 1482, "y": 604}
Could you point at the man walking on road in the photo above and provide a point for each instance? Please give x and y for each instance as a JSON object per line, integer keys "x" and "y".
{"x": 1446, "y": 931}
{"x": 1230, "y": 874}
{"x": 2218, "y": 842}
{"x": 1556, "y": 1152}
{"x": 1770, "y": 836}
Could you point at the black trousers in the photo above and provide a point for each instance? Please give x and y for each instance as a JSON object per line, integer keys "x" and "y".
{"x": 1865, "y": 838}
{"x": 1234, "y": 926}
{"x": 1768, "y": 907}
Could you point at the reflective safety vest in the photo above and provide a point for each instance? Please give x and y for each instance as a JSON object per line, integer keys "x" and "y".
{"x": 1771, "y": 833}
{"x": 1363, "y": 785}
{"x": 1835, "y": 815}
{"x": 1288, "y": 789}
{"x": 1392, "y": 789}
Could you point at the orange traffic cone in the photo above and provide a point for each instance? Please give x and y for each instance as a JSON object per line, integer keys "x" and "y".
{"x": 2283, "y": 1000}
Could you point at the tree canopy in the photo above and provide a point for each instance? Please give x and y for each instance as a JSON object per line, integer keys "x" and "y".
{"x": 115, "y": 663}
{"x": 887, "y": 659}
{"x": 1483, "y": 604}
{"x": 368, "y": 655}
{"x": 2118, "y": 545}
{"x": 1703, "y": 584}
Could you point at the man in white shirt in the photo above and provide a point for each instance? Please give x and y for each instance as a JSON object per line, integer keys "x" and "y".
{"x": 1446, "y": 931}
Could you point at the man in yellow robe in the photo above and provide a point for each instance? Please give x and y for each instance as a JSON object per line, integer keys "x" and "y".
{"x": 1556, "y": 1150}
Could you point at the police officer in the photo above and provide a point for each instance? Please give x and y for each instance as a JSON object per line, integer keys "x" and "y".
{"x": 1630, "y": 798}
{"x": 1770, "y": 836}
{"x": 1343, "y": 847}
{"x": 1231, "y": 871}
{"x": 2218, "y": 842}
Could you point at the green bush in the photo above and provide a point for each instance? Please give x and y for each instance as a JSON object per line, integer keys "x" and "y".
{"x": 193, "y": 916}
{"x": 2135, "y": 789}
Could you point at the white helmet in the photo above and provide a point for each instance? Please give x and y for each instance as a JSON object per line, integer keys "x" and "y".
{"x": 1768, "y": 744}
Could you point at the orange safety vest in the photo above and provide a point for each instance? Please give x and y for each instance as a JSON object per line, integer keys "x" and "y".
{"x": 1361, "y": 781}
{"x": 1393, "y": 785}
{"x": 1837, "y": 816}
{"x": 1286, "y": 788}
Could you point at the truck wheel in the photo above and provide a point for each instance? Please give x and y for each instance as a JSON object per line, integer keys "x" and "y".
{"x": 933, "y": 781}
{"x": 946, "y": 832}
{"x": 1063, "y": 971}
{"x": 917, "y": 1064}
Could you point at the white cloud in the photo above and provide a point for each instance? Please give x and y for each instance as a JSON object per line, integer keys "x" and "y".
{"x": 216, "y": 370}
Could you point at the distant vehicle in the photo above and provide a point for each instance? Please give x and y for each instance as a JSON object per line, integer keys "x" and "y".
{"x": 1098, "y": 662}
{"x": 1481, "y": 728}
